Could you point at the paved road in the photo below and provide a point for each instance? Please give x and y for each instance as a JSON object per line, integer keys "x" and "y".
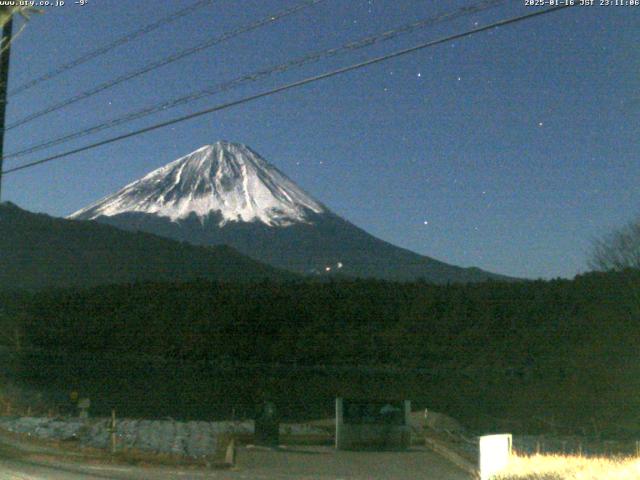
{"x": 327, "y": 463}
{"x": 317, "y": 463}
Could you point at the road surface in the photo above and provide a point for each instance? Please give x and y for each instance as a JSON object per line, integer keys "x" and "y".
{"x": 317, "y": 463}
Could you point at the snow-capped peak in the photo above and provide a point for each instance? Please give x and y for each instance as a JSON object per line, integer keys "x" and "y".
{"x": 227, "y": 178}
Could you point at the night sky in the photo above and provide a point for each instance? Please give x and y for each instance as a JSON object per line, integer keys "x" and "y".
{"x": 509, "y": 150}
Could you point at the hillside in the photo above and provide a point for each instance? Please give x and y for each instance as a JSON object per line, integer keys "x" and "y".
{"x": 38, "y": 251}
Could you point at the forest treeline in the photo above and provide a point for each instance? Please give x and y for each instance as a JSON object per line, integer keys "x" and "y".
{"x": 562, "y": 349}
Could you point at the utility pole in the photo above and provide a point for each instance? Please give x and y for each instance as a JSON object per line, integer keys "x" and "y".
{"x": 4, "y": 80}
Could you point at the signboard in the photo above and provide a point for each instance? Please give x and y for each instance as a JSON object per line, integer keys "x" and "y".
{"x": 379, "y": 424}
{"x": 357, "y": 412}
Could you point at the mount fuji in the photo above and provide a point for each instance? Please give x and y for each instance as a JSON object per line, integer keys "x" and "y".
{"x": 226, "y": 193}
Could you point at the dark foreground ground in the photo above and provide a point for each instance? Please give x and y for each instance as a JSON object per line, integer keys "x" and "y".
{"x": 252, "y": 463}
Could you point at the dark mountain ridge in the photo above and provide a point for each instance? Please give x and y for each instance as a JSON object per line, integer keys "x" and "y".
{"x": 327, "y": 245}
{"x": 38, "y": 251}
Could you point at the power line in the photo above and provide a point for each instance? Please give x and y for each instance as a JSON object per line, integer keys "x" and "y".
{"x": 166, "y": 61}
{"x": 263, "y": 73}
{"x": 110, "y": 46}
{"x": 292, "y": 85}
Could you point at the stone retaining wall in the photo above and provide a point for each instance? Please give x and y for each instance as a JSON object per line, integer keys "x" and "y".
{"x": 191, "y": 439}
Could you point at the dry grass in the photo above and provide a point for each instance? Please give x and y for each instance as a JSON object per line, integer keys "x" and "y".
{"x": 561, "y": 467}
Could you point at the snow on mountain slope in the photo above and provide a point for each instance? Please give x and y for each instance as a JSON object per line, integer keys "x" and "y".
{"x": 226, "y": 194}
{"x": 225, "y": 178}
